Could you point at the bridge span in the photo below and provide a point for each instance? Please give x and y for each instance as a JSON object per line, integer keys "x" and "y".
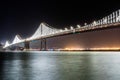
{"x": 45, "y": 31}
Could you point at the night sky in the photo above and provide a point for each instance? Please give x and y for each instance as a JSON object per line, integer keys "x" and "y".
{"x": 24, "y": 17}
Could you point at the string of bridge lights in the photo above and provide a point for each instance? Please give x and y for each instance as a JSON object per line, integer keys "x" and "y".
{"x": 45, "y": 30}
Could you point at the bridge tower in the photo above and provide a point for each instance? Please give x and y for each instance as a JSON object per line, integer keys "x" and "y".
{"x": 43, "y": 44}
{"x": 43, "y": 31}
{"x": 26, "y": 45}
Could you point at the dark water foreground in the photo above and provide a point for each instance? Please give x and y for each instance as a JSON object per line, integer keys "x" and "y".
{"x": 60, "y": 66}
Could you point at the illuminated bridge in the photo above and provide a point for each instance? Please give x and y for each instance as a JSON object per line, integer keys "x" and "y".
{"x": 45, "y": 32}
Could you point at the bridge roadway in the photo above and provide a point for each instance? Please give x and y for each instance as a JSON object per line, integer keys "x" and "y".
{"x": 45, "y": 31}
{"x": 68, "y": 32}
{"x": 79, "y": 30}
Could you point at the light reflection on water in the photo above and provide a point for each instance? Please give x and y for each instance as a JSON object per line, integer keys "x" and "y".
{"x": 60, "y": 66}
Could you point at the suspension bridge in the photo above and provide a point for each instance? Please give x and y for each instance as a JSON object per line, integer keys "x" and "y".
{"x": 45, "y": 31}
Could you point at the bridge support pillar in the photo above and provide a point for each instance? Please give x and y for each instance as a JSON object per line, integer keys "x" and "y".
{"x": 43, "y": 45}
{"x": 27, "y": 45}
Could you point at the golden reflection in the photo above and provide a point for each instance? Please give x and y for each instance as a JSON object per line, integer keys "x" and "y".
{"x": 102, "y": 48}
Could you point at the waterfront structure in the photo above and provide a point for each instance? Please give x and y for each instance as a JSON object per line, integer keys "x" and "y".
{"x": 102, "y": 34}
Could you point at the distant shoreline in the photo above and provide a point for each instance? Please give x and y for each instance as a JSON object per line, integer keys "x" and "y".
{"x": 65, "y": 50}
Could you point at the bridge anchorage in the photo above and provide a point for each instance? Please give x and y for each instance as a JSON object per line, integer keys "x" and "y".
{"x": 45, "y": 31}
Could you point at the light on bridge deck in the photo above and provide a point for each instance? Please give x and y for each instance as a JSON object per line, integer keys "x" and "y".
{"x": 94, "y": 23}
{"x": 66, "y": 29}
{"x": 78, "y": 26}
{"x": 6, "y": 44}
{"x": 71, "y": 28}
{"x": 118, "y": 18}
{"x": 85, "y": 24}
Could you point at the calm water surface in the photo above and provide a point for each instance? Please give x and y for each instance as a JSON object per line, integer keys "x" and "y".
{"x": 60, "y": 66}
